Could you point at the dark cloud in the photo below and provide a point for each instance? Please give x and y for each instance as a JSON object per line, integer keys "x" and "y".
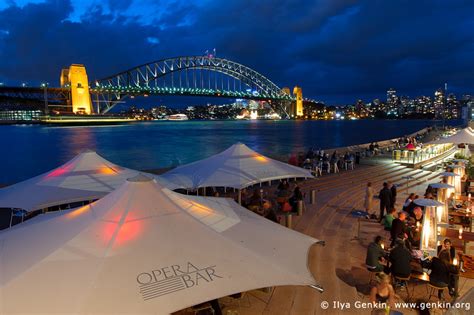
{"x": 338, "y": 51}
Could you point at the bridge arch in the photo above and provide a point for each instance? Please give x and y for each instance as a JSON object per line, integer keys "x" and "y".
{"x": 145, "y": 74}
{"x": 146, "y": 79}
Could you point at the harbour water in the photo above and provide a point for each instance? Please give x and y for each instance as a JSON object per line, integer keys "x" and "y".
{"x": 30, "y": 150}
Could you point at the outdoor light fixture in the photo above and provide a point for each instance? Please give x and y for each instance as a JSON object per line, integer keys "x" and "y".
{"x": 429, "y": 229}
{"x": 454, "y": 180}
{"x": 444, "y": 191}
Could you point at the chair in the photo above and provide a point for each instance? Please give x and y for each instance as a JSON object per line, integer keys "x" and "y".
{"x": 349, "y": 165}
{"x": 372, "y": 270}
{"x": 434, "y": 289}
{"x": 202, "y": 309}
{"x": 403, "y": 280}
{"x": 239, "y": 300}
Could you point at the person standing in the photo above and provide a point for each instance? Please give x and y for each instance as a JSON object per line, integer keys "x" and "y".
{"x": 385, "y": 196}
{"x": 393, "y": 190}
{"x": 369, "y": 198}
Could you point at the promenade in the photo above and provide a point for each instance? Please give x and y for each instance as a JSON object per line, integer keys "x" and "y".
{"x": 340, "y": 265}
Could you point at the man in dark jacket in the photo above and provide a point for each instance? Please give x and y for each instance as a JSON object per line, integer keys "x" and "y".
{"x": 400, "y": 258}
{"x": 375, "y": 254}
{"x": 398, "y": 227}
{"x": 443, "y": 274}
{"x": 385, "y": 196}
{"x": 393, "y": 190}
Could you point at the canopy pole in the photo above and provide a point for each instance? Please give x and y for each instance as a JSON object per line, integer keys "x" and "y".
{"x": 11, "y": 217}
{"x": 239, "y": 197}
{"x": 317, "y": 288}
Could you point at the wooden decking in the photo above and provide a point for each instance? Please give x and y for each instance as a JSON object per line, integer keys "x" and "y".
{"x": 338, "y": 266}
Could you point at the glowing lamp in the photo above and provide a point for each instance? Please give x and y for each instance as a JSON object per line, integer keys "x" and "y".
{"x": 382, "y": 245}
{"x": 455, "y": 261}
{"x": 460, "y": 232}
{"x": 429, "y": 235}
{"x": 454, "y": 180}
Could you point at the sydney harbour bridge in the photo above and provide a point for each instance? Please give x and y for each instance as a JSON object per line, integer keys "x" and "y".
{"x": 207, "y": 76}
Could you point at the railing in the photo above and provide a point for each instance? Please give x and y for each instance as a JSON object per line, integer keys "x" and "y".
{"x": 420, "y": 155}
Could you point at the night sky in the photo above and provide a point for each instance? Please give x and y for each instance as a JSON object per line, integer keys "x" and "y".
{"x": 338, "y": 51}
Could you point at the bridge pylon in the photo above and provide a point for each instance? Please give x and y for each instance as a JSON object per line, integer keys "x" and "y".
{"x": 298, "y": 93}
{"x": 75, "y": 78}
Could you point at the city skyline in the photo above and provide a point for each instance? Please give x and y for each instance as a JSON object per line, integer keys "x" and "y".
{"x": 337, "y": 51}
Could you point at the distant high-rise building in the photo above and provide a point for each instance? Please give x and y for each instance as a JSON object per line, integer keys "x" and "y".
{"x": 438, "y": 104}
{"x": 452, "y": 110}
{"x": 392, "y": 102}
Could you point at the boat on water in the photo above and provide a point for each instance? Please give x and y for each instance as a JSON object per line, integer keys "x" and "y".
{"x": 178, "y": 117}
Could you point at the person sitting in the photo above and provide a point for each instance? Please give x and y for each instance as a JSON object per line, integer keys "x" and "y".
{"x": 429, "y": 190}
{"x": 255, "y": 201}
{"x": 448, "y": 246}
{"x": 400, "y": 258}
{"x": 408, "y": 201}
{"x": 416, "y": 216}
{"x": 307, "y": 164}
{"x": 388, "y": 219}
{"x": 412, "y": 205}
{"x": 444, "y": 274}
{"x": 452, "y": 204}
{"x": 297, "y": 196}
{"x": 283, "y": 185}
{"x": 398, "y": 227}
{"x": 382, "y": 293}
{"x": 375, "y": 255}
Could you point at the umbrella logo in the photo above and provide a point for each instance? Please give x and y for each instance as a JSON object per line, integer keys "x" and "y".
{"x": 174, "y": 278}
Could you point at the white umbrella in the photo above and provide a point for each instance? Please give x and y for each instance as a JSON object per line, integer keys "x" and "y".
{"x": 86, "y": 177}
{"x": 441, "y": 185}
{"x": 428, "y": 202}
{"x": 144, "y": 249}
{"x": 237, "y": 167}
{"x": 463, "y": 136}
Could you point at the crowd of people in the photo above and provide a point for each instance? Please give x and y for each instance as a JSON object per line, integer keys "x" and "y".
{"x": 320, "y": 161}
{"x": 285, "y": 199}
{"x": 403, "y": 254}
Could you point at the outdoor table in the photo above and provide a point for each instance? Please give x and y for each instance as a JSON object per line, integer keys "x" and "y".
{"x": 453, "y": 233}
{"x": 421, "y": 278}
{"x": 463, "y": 198}
{"x": 462, "y": 214}
{"x": 468, "y": 266}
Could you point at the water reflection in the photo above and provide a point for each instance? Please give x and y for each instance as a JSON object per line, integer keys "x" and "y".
{"x": 31, "y": 150}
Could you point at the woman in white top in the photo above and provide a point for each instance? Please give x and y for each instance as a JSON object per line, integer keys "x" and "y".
{"x": 369, "y": 198}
